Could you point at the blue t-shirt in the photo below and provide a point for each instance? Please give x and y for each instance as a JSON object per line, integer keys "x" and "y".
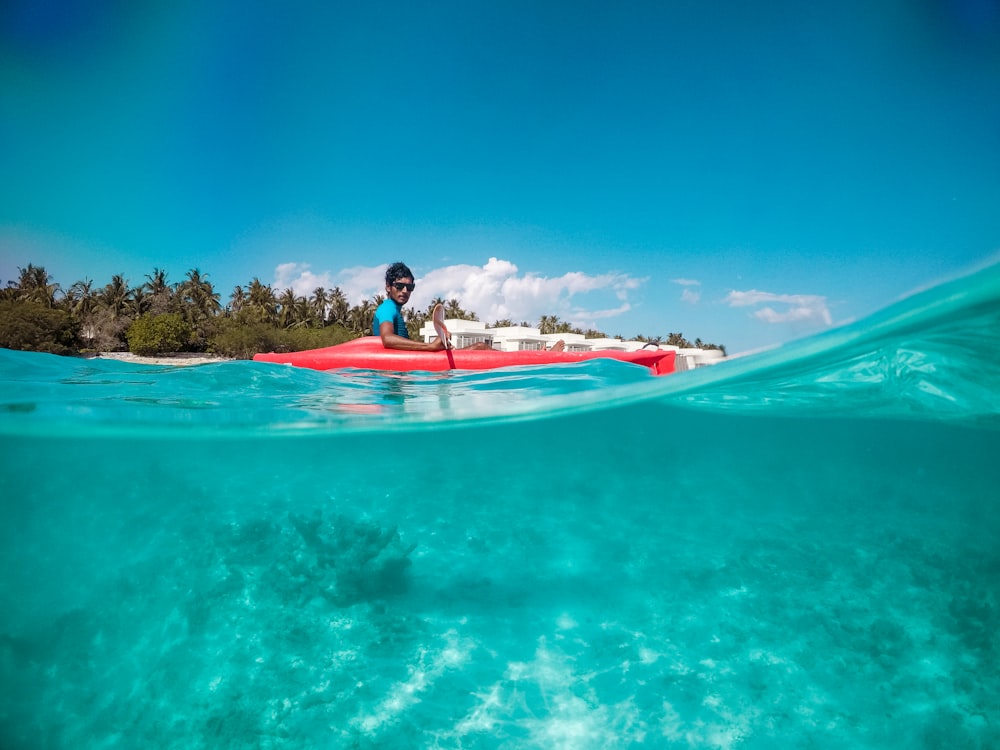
{"x": 393, "y": 312}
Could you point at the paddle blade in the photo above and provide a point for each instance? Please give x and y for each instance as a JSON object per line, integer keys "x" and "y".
{"x": 437, "y": 317}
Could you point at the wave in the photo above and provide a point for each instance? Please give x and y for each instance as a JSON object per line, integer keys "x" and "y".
{"x": 932, "y": 356}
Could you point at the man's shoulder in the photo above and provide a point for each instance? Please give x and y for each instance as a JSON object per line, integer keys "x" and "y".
{"x": 387, "y": 309}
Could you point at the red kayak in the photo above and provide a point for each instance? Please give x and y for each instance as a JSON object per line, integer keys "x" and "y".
{"x": 368, "y": 353}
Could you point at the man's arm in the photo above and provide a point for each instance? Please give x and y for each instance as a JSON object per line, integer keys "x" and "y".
{"x": 391, "y": 340}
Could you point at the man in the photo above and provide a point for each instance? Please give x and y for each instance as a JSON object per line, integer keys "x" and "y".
{"x": 388, "y": 323}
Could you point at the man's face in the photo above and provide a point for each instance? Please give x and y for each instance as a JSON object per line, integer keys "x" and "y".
{"x": 399, "y": 290}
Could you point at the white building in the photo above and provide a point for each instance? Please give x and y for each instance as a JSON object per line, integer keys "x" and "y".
{"x": 523, "y": 338}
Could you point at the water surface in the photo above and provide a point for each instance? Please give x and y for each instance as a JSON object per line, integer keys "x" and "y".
{"x": 796, "y": 549}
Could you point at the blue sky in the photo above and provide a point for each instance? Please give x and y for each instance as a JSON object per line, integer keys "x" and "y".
{"x": 746, "y": 173}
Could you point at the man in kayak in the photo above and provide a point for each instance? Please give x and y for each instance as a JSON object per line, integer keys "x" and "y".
{"x": 389, "y": 325}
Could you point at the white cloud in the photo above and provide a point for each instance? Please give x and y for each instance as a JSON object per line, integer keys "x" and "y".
{"x": 690, "y": 296}
{"x": 498, "y": 290}
{"x": 298, "y": 278}
{"x": 357, "y": 283}
{"x": 361, "y": 282}
{"x": 494, "y": 291}
{"x": 797, "y": 307}
{"x": 791, "y": 315}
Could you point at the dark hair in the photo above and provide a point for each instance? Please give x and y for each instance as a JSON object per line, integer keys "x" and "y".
{"x": 397, "y": 271}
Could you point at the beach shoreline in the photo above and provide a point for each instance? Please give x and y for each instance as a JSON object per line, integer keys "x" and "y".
{"x": 179, "y": 358}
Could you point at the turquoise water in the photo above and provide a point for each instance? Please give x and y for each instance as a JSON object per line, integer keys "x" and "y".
{"x": 794, "y": 550}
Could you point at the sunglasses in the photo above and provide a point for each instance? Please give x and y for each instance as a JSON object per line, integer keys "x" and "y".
{"x": 400, "y": 286}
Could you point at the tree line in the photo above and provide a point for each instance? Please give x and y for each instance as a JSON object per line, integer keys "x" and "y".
{"x": 157, "y": 316}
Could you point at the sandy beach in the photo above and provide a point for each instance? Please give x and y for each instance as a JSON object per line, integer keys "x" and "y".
{"x": 180, "y": 358}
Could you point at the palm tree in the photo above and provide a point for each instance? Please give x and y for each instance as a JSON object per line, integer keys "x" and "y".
{"x": 160, "y": 298}
{"x": 339, "y": 306}
{"x": 304, "y": 314}
{"x": 237, "y": 299}
{"x": 261, "y": 301}
{"x": 286, "y": 313}
{"x": 360, "y": 318}
{"x": 80, "y": 298}
{"x": 139, "y": 302}
{"x": 81, "y": 302}
{"x": 548, "y": 324}
{"x": 415, "y": 320}
{"x": 156, "y": 282}
{"x": 111, "y": 317}
{"x": 200, "y": 301}
{"x": 34, "y": 285}
{"x": 199, "y": 304}
{"x": 114, "y": 296}
{"x": 319, "y": 303}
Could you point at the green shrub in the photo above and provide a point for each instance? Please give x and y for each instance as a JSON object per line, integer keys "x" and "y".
{"x": 30, "y": 326}
{"x": 300, "y": 339}
{"x": 156, "y": 334}
{"x": 240, "y": 339}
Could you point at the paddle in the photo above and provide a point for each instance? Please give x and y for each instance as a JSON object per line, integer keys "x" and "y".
{"x": 437, "y": 317}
